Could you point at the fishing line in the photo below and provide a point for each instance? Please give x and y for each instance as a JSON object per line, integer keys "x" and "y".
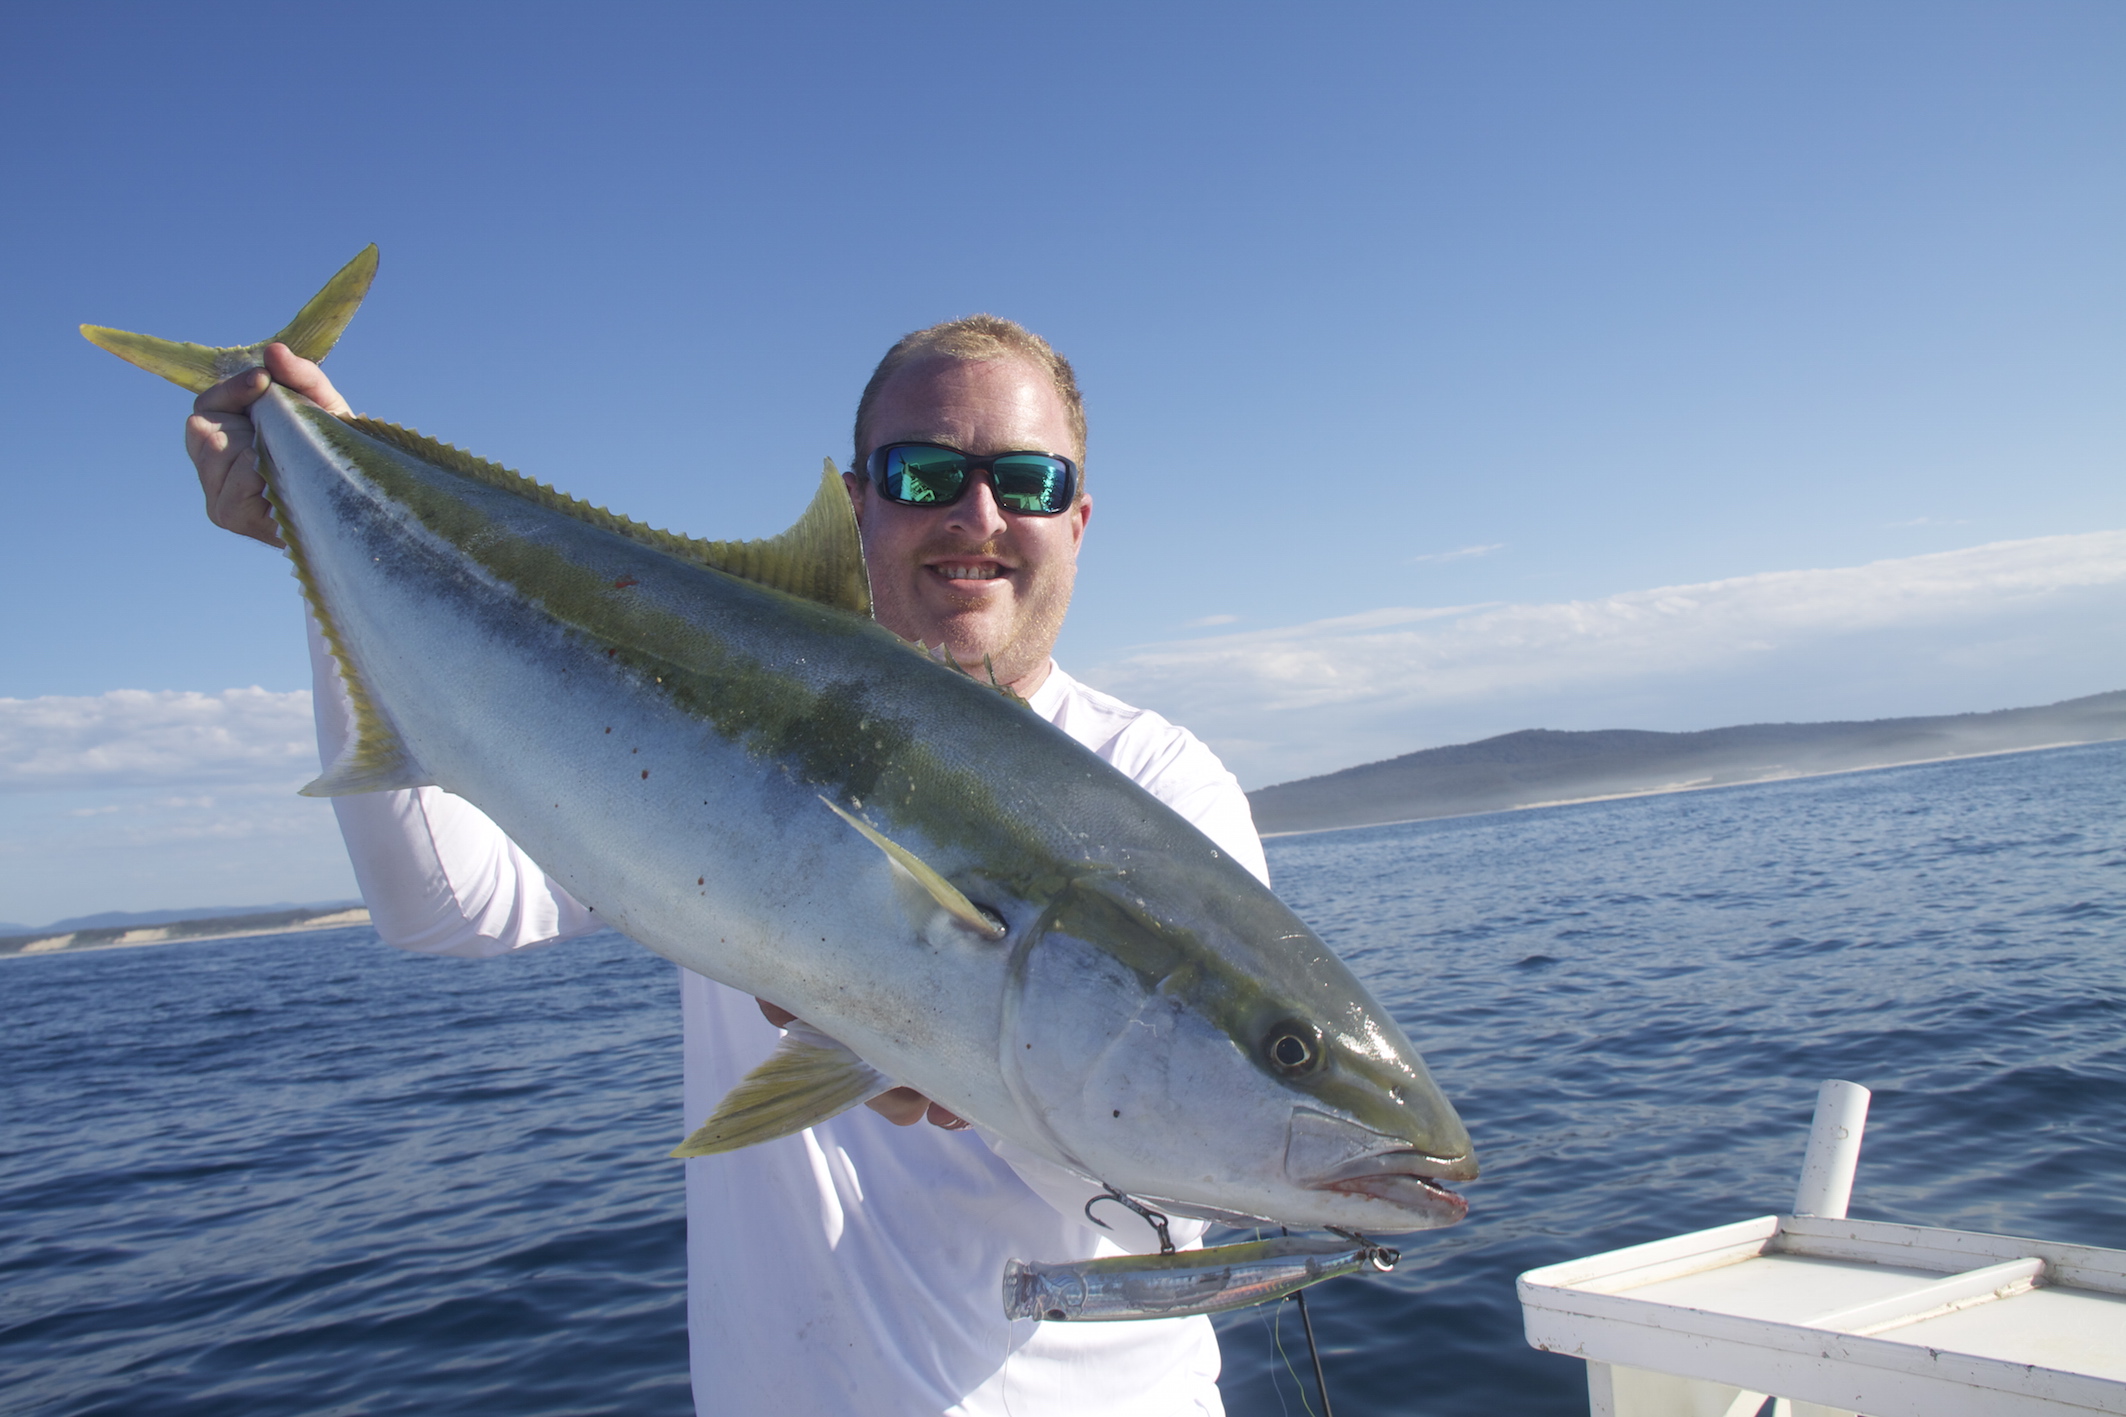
{"x": 1276, "y": 1323}
{"x": 1306, "y": 1321}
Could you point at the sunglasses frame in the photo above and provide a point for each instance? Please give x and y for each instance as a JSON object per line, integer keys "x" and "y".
{"x": 875, "y": 470}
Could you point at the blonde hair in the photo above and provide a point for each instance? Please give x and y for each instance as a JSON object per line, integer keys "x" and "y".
{"x": 976, "y": 339}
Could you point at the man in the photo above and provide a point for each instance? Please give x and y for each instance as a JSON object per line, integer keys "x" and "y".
{"x": 852, "y": 1268}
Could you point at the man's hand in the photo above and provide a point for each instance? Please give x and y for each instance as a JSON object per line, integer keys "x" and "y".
{"x": 903, "y": 1106}
{"x": 219, "y": 438}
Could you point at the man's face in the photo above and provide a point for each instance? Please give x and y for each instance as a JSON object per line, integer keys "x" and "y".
{"x": 978, "y": 579}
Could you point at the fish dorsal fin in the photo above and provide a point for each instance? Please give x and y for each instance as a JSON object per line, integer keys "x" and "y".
{"x": 820, "y": 558}
{"x": 940, "y": 654}
{"x": 805, "y": 1081}
{"x": 199, "y": 367}
{"x": 948, "y": 896}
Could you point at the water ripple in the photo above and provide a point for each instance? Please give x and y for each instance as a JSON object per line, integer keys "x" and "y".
{"x": 311, "y": 1175}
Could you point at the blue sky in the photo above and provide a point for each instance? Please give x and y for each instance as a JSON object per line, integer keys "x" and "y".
{"x": 1489, "y": 318}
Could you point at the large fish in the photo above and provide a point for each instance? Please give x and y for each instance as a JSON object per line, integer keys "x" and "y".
{"x": 716, "y": 746}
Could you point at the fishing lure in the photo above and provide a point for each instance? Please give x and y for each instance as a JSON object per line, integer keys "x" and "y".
{"x": 1184, "y": 1282}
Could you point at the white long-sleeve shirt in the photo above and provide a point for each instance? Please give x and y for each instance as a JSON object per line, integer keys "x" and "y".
{"x": 855, "y": 1268}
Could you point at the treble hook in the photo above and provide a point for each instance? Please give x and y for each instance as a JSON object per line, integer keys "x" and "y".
{"x": 1150, "y": 1217}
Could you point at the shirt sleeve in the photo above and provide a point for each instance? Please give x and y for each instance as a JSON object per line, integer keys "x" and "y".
{"x": 438, "y": 876}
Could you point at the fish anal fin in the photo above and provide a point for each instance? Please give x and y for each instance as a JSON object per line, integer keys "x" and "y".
{"x": 375, "y": 757}
{"x": 199, "y": 367}
{"x": 367, "y": 772}
{"x": 948, "y": 897}
{"x": 820, "y": 558}
{"x": 808, "y": 1079}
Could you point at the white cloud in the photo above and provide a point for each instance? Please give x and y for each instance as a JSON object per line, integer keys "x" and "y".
{"x": 1462, "y": 553}
{"x": 137, "y": 800}
{"x": 1302, "y": 686}
{"x": 1209, "y": 620}
{"x": 135, "y": 737}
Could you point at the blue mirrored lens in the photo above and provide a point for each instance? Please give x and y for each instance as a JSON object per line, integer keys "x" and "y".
{"x": 924, "y": 476}
{"x": 917, "y": 475}
{"x": 1027, "y": 482}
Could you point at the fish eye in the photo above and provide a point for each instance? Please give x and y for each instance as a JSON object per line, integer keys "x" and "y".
{"x": 1293, "y": 1048}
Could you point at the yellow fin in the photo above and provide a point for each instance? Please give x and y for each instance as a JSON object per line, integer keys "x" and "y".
{"x": 805, "y": 1081}
{"x": 944, "y": 892}
{"x": 941, "y": 654}
{"x": 367, "y": 766}
{"x": 375, "y": 758}
{"x": 820, "y": 558}
{"x": 198, "y": 367}
{"x": 318, "y": 325}
{"x": 193, "y": 366}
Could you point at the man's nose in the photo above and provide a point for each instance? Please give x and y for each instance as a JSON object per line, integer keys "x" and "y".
{"x": 976, "y": 512}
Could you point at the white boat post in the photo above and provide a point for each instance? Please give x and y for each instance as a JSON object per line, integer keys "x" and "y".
{"x": 1826, "y": 1189}
{"x": 1825, "y": 1316}
{"x": 1834, "y": 1150}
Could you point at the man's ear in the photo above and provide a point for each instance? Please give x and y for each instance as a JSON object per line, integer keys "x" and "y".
{"x": 859, "y": 493}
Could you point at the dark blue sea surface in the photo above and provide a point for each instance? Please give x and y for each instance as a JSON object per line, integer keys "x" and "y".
{"x": 309, "y": 1174}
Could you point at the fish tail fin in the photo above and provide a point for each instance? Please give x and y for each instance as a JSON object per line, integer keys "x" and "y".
{"x": 198, "y": 367}
{"x": 192, "y": 366}
{"x": 320, "y": 323}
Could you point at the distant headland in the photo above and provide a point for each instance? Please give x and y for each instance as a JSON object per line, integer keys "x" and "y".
{"x": 1539, "y": 767}
{"x": 167, "y": 927}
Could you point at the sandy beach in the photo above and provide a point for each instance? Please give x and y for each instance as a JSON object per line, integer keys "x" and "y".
{"x": 178, "y": 932}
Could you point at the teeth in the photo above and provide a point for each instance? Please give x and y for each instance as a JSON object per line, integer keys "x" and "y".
{"x": 968, "y": 573}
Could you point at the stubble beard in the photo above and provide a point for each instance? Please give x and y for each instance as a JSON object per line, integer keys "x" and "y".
{"x": 1016, "y": 642}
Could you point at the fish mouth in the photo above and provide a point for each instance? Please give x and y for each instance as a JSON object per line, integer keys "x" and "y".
{"x": 1340, "y": 1155}
{"x": 1405, "y": 1179}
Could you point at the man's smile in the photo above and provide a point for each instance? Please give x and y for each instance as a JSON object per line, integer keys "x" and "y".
{"x": 967, "y": 570}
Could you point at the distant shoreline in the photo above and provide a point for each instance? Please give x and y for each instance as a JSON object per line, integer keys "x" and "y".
{"x": 1545, "y": 767}
{"x": 174, "y": 933}
{"x": 1672, "y": 789}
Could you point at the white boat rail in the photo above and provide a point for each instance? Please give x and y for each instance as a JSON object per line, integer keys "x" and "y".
{"x": 1824, "y": 1316}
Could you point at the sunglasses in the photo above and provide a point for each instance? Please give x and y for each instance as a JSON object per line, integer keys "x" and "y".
{"x": 926, "y": 475}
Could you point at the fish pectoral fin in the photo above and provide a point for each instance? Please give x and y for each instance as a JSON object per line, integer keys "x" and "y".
{"x": 945, "y": 893}
{"x": 821, "y": 558}
{"x": 808, "y": 1079}
{"x": 199, "y": 367}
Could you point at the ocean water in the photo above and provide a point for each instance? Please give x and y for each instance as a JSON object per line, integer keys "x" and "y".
{"x": 309, "y": 1174}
